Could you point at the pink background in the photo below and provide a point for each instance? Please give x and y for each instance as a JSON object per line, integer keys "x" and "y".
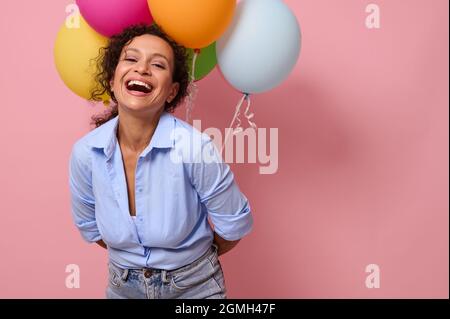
{"x": 363, "y": 159}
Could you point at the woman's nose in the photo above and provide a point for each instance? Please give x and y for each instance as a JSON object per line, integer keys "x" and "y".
{"x": 143, "y": 68}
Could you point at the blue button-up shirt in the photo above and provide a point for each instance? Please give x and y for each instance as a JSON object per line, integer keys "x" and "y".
{"x": 180, "y": 180}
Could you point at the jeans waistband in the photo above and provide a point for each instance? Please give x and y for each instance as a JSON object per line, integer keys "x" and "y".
{"x": 214, "y": 248}
{"x": 124, "y": 273}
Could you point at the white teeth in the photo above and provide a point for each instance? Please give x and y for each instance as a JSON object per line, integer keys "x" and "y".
{"x": 132, "y": 82}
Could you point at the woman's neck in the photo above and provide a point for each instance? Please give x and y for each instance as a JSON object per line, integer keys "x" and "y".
{"x": 135, "y": 133}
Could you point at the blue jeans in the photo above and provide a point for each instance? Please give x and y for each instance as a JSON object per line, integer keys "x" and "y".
{"x": 201, "y": 279}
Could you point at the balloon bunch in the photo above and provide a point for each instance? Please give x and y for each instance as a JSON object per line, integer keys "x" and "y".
{"x": 254, "y": 43}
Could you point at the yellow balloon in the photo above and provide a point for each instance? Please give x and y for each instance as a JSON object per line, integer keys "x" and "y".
{"x": 75, "y": 49}
{"x": 193, "y": 23}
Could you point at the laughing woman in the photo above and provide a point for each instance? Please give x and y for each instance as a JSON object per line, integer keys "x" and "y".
{"x": 141, "y": 186}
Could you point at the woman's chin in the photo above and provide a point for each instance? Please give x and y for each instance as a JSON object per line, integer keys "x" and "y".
{"x": 138, "y": 105}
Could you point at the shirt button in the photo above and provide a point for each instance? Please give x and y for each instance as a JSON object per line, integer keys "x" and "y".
{"x": 147, "y": 273}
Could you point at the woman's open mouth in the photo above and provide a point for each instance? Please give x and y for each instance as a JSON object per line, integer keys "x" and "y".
{"x": 138, "y": 88}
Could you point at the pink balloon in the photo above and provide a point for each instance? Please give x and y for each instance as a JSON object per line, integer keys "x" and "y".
{"x": 109, "y": 17}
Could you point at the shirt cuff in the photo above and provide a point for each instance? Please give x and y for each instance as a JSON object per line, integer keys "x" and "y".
{"x": 89, "y": 231}
{"x": 232, "y": 227}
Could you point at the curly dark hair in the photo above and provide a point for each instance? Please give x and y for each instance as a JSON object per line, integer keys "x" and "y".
{"x": 108, "y": 59}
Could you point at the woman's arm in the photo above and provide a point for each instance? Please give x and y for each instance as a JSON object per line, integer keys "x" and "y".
{"x": 228, "y": 209}
{"x": 81, "y": 192}
{"x": 224, "y": 245}
{"x": 101, "y": 243}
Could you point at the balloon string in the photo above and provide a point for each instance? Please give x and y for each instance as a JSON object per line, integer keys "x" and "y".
{"x": 193, "y": 89}
{"x": 249, "y": 116}
{"x": 194, "y": 61}
{"x": 238, "y": 127}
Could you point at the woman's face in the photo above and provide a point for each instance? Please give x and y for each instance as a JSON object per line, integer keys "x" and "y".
{"x": 143, "y": 76}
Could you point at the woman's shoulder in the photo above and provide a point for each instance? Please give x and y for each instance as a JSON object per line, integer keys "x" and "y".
{"x": 191, "y": 145}
{"x": 99, "y": 136}
{"x": 189, "y": 137}
{"x": 186, "y": 130}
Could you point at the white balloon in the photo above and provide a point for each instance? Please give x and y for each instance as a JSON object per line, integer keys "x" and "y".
{"x": 260, "y": 47}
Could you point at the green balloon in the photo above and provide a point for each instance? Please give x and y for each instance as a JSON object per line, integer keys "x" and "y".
{"x": 205, "y": 62}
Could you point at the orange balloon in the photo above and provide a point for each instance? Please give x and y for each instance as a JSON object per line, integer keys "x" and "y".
{"x": 193, "y": 23}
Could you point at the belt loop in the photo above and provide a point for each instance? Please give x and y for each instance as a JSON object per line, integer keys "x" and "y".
{"x": 164, "y": 275}
{"x": 125, "y": 274}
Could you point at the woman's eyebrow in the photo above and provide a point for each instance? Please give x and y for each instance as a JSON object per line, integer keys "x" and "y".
{"x": 154, "y": 54}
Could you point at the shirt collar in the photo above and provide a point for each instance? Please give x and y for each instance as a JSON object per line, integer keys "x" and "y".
{"x": 106, "y": 138}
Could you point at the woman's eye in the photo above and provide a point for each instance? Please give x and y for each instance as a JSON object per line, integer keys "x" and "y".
{"x": 130, "y": 59}
{"x": 159, "y": 66}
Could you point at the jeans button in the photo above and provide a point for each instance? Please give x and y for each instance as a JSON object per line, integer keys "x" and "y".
{"x": 147, "y": 273}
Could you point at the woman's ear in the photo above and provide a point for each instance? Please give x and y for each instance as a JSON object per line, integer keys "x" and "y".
{"x": 111, "y": 85}
{"x": 173, "y": 94}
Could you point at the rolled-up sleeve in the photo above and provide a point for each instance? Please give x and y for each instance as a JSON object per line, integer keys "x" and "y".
{"x": 82, "y": 198}
{"x": 214, "y": 182}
